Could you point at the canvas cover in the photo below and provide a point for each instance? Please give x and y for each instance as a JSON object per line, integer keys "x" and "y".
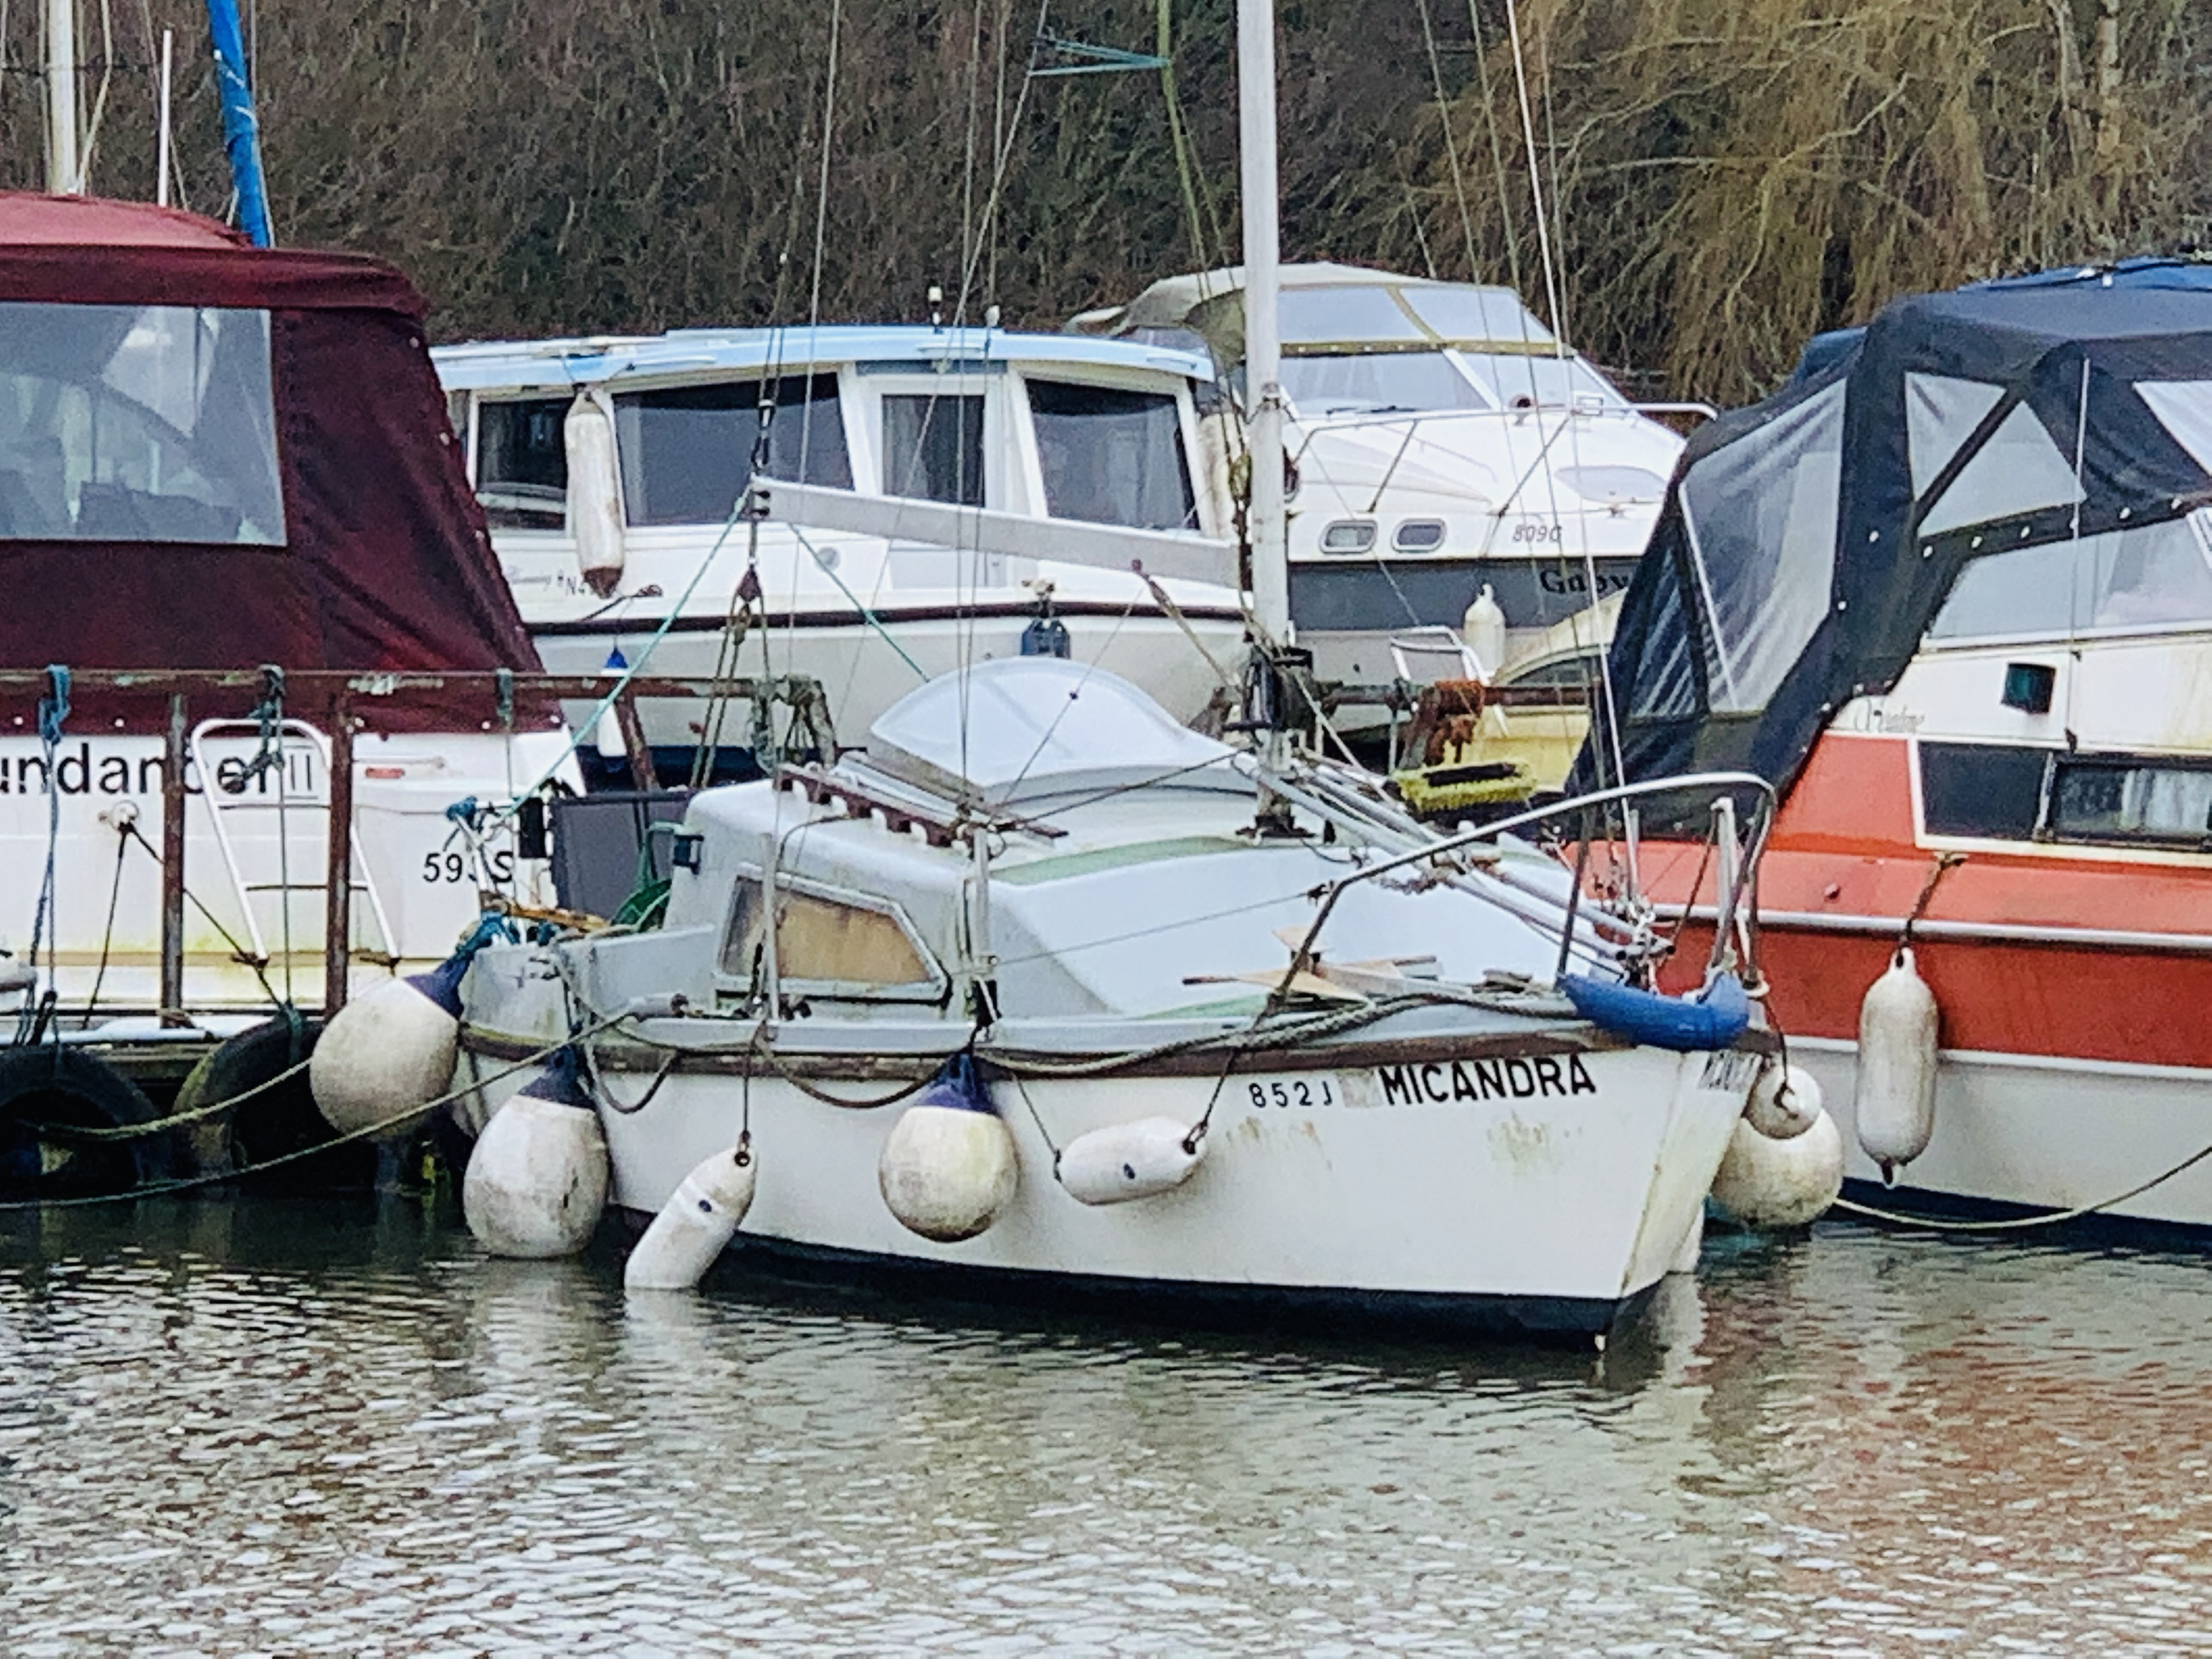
{"x": 381, "y": 560}
{"x": 1808, "y": 542}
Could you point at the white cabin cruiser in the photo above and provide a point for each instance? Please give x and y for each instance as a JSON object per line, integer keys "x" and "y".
{"x": 1323, "y": 1067}
{"x": 936, "y": 495}
{"x": 1443, "y": 440}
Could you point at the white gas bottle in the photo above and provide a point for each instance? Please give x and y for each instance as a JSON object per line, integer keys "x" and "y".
{"x": 1765, "y": 1183}
{"x": 695, "y": 1225}
{"x": 595, "y": 508}
{"x": 1895, "y": 1099}
{"x": 1483, "y": 628}
{"x": 537, "y": 1179}
{"x": 1123, "y": 1161}
{"x": 389, "y": 1052}
{"x": 1784, "y": 1102}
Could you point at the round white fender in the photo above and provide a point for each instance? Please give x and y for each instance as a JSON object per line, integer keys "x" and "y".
{"x": 537, "y": 1179}
{"x": 1123, "y": 1161}
{"x": 694, "y": 1226}
{"x": 1784, "y": 1102}
{"x": 947, "y": 1171}
{"x": 1765, "y": 1183}
{"x": 389, "y": 1051}
{"x": 1895, "y": 1100}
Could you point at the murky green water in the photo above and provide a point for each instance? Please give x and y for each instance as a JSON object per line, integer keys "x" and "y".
{"x": 318, "y": 1428}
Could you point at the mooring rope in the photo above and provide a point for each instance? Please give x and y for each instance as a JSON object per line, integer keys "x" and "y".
{"x": 2021, "y": 1222}
{"x": 367, "y": 1131}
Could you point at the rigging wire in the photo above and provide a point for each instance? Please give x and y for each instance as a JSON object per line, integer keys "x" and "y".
{"x": 1451, "y": 143}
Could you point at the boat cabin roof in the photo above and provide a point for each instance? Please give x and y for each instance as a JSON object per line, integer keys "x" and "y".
{"x": 1328, "y": 308}
{"x": 1019, "y": 728}
{"x": 510, "y": 365}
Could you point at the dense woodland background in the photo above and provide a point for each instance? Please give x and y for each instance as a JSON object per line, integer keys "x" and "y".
{"x": 1721, "y": 178}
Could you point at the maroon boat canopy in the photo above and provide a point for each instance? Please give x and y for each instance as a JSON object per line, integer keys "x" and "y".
{"x": 215, "y": 456}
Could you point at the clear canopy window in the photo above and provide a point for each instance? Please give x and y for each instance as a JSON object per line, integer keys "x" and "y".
{"x": 1111, "y": 456}
{"x": 933, "y": 447}
{"x": 1477, "y": 313}
{"x": 522, "y": 463}
{"x": 2158, "y": 575}
{"x": 1350, "y": 313}
{"x": 1380, "y": 383}
{"x": 138, "y": 423}
{"x": 1531, "y": 381}
{"x": 687, "y": 450}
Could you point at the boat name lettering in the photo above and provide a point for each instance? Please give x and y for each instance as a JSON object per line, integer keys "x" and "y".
{"x": 81, "y": 770}
{"x": 1442, "y": 1082}
{"x": 1575, "y": 582}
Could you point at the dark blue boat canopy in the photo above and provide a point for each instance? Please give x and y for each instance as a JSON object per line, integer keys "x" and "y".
{"x": 2020, "y": 459}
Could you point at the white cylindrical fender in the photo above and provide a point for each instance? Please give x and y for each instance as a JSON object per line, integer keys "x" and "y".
{"x": 1784, "y": 1102}
{"x": 694, "y": 1226}
{"x": 1123, "y": 1161}
{"x": 1894, "y": 1101}
{"x": 537, "y": 1180}
{"x": 1765, "y": 1183}
{"x": 390, "y": 1051}
{"x": 947, "y": 1171}
{"x": 1483, "y": 628}
{"x": 595, "y": 508}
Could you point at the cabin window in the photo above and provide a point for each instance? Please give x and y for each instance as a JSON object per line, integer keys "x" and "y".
{"x": 1532, "y": 380}
{"x": 522, "y": 463}
{"x": 2126, "y": 801}
{"x": 1762, "y": 533}
{"x": 1476, "y": 313}
{"x": 829, "y": 947}
{"x": 1111, "y": 456}
{"x": 2005, "y": 792}
{"x": 2159, "y": 574}
{"x": 1379, "y": 383}
{"x": 1352, "y": 313}
{"x": 138, "y": 423}
{"x": 933, "y": 446}
{"x": 687, "y": 450}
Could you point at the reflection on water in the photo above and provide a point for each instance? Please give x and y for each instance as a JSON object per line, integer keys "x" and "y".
{"x": 284, "y": 1427}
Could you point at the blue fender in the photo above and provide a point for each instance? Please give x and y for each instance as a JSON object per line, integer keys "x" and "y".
{"x": 1711, "y": 1019}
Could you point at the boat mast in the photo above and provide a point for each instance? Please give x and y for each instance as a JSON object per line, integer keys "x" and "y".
{"x": 241, "y": 126}
{"x": 63, "y": 175}
{"x": 1266, "y": 530}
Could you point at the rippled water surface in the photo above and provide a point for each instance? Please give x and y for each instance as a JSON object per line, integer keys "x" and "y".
{"x": 290, "y": 1427}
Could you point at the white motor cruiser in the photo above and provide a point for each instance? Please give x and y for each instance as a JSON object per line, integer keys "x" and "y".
{"x": 1061, "y": 997}
{"x": 1442, "y": 442}
{"x": 923, "y": 496}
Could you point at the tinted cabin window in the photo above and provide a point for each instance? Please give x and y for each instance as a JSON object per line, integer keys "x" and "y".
{"x": 827, "y": 946}
{"x": 522, "y": 463}
{"x": 1981, "y": 789}
{"x": 138, "y": 423}
{"x": 687, "y": 450}
{"x": 933, "y": 447}
{"x": 1111, "y": 456}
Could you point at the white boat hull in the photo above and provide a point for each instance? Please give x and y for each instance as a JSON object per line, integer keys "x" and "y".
{"x": 1374, "y": 1191}
{"x": 2030, "y": 1133}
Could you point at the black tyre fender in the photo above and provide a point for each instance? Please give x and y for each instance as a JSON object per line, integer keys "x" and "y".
{"x": 45, "y": 1090}
{"x": 278, "y": 1122}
